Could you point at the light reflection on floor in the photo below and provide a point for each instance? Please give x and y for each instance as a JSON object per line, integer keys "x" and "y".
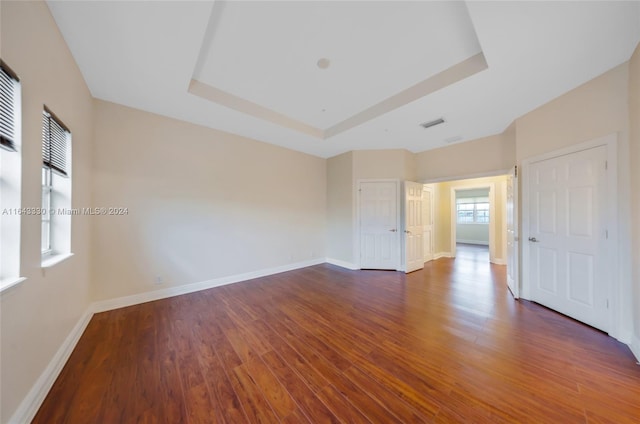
{"x": 473, "y": 272}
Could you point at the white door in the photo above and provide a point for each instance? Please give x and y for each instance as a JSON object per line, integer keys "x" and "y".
{"x": 567, "y": 235}
{"x": 427, "y": 222}
{"x": 379, "y": 224}
{"x": 512, "y": 233}
{"x": 413, "y": 229}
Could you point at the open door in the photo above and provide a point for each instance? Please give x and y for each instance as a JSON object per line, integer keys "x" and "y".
{"x": 512, "y": 233}
{"x": 413, "y": 228}
{"x": 427, "y": 222}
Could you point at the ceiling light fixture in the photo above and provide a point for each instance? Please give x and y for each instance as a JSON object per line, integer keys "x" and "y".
{"x": 323, "y": 63}
{"x": 432, "y": 123}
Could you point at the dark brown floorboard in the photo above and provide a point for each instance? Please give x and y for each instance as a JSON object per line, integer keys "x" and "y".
{"x": 325, "y": 345}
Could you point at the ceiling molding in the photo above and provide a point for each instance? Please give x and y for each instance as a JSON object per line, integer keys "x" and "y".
{"x": 457, "y": 72}
{"x": 229, "y": 100}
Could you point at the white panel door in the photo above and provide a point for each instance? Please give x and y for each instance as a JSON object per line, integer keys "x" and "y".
{"x": 512, "y": 233}
{"x": 567, "y": 235}
{"x": 427, "y": 222}
{"x": 379, "y": 221}
{"x": 413, "y": 229}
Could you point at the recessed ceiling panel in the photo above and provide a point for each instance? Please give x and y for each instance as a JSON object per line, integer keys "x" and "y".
{"x": 321, "y": 63}
{"x": 256, "y": 64}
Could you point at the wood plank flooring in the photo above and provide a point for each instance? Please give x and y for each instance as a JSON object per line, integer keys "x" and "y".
{"x": 326, "y": 345}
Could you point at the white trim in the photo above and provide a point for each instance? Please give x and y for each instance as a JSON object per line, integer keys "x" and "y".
{"x": 32, "y": 401}
{"x": 478, "y": 242}
{"x": 51, "y": 260}
{"x": 121, "y": 302}
{"x": 442, "y": 255}
{"x": 467, "y": 176}
{"x": 499, "y": 261}
{"x": 616, "y": 295}
{"x": 341, "y": 264}
{"x": 635, "y": 347}
{"x": 11, "y": 282}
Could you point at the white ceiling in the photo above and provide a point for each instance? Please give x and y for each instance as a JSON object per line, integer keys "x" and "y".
{"x": 393, "y": 65}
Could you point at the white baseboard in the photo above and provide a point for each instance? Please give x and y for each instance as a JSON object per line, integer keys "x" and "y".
{"x": 478, "y": 242}
{"x": 499, "y": 261}
{"x": 342, "y": 264}
{"x": 442, "y": 255}
{"x": 121, "y": 302}
{"x": 635, "y": 347}
{"x": 31, "y": 403}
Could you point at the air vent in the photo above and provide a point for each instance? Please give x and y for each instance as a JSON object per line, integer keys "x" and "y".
{"x": 432, "y": 123}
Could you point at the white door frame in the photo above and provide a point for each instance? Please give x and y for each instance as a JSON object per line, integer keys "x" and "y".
{"x": 492, "y": 216}
{"x": 615, "y": 294}
{"x": 356, "y": 230}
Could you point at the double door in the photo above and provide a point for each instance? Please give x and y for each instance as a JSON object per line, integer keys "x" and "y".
{"x": 391, "y": 225}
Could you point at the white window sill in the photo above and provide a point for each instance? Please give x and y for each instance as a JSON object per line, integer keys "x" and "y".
{"x": 10, "y": 282}
{"x": 51, "y": 260}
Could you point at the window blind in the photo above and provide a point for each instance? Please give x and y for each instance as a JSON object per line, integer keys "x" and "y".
{"x": 54, "y": 143}
{"x": 8, "y": 88}
{"x": 462, "y": 200}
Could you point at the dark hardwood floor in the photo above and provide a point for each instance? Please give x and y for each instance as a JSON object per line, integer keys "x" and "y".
{"x": 323, "y": 344}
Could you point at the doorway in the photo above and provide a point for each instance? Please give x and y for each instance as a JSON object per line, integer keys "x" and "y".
{"x": 473, "y": 219}
{"x": 472, "y": 223}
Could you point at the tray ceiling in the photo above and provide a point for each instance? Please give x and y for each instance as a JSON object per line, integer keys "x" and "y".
{"x": 328, "y": 77}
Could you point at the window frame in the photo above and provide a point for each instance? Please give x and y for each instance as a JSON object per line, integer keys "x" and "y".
{"x": 477, "y": 215}
{"x": 10, "y": 132}
{"x": 10, "y": 179}
{"x": 47, "y": 189}
{"x": 55, "y": 243}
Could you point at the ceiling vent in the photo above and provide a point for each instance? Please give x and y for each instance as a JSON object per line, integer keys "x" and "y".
{"x": 432, "y": 123}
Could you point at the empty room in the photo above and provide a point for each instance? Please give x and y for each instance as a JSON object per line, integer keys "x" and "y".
{"x": 319, "y": 211}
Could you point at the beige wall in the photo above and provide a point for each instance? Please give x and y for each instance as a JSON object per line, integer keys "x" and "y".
{"x": 393, "y": 164}
{"x": 340, "y": 207}
{"x": 202, "y": 204}
{"x": 443, "y": 222}
{"x": 594, "y": 109}
{"x": 38, "y": 314}
{"x": 482, "y": 156}
{"x": 634, "y": 142}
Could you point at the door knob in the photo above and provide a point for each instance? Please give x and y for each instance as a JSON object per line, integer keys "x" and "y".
{"x": 407, "y": 231}
{"x": 533, "y": 239}
{"x": 393, "y": 230}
